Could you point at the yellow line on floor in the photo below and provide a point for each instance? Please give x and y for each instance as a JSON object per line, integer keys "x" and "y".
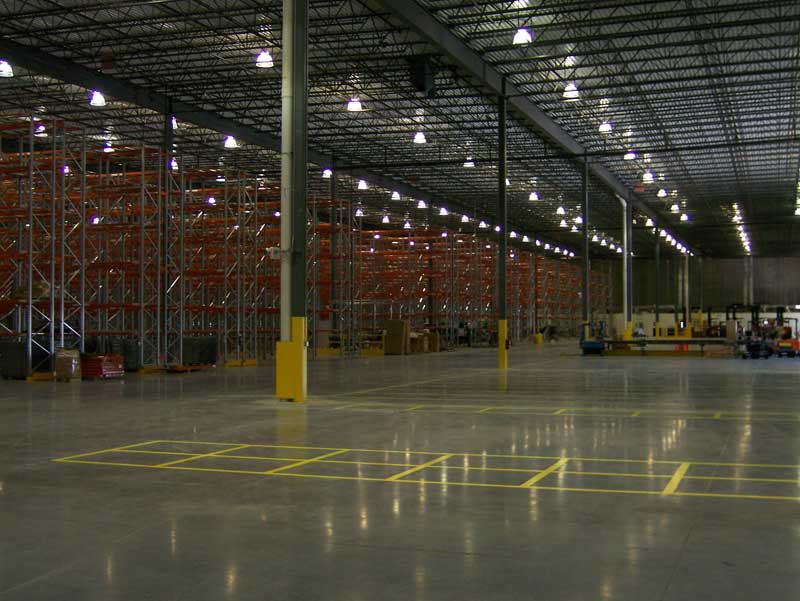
{"x": 202, "y": 456}
{"x": 305, "y": 462}
{"x": 675, "y": 481}
{"x": 718, "y": 415}
{"x": 636, "y": 414}
{"x": 560, "y": 411}
{"x": 486, "y": 410}
{"x": 737, "y": 496}
{"x": 111, "y": 450}
{"x": 545, "y": 472}
{"x": 420, "y": 467}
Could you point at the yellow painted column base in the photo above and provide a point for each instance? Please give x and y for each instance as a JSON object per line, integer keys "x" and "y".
{"x": 502, "y": 344}
{"x": 291, "y": 373}
{"x": 658, "y": 330}
{"x": 628, "y": 333}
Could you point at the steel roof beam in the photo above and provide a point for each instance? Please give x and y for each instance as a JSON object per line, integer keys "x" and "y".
{"x": 424, "y": 24}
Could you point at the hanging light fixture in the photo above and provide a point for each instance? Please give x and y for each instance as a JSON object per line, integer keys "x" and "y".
{"x": 174, "y": 122}
{"x": 5, "y": 69}
{"x": 675, "y": 208}
{"x": 571, "y": 92}
{"x": 662, "y": 193}
{"x": 557, "y": 249}
{"x": 534, "y": 196}
{"x": 264, "y": 60}
{"x": 649, "y": 223}
{"x": 595, "y": 238}
{"x": 107, "y": 147}
{"x": 354, "y": 105}
{"x": 327, "y": 173}
{"x": 684, "y": 217}
{"x": 513, "y": 234}
{"x": 605, "y": 127}
{"x": 443, "y": 212}
{"x": 211, "y": 200}
{"x": 612, "y": 246}
{"x": 230, "y": 142}
{"x": 648, "y": 177}
{"x": 385, "y": 219}
{"x": 359, "y": 212}
{"x": 421, "y": 205}
{"x": 525, "y": 239}
{"x": 97, "y": 99}
{"x": 419, "y": 138}
{"x": 538, "y": 242}
{"x": 574, "y": 229}
{"x": 173, "y": 164}
{"x": 464, "y": 219}
{"x": 497, "y": 228}
{"x": 522, "y": 37}
{"x": 395, "y": 195}
{"x": 563, "y": 223}
{"x": 629, "y": 156}
{"x": 469, "y": 163}
{"x": 560, "y": 211}
{"x": 362, "y": 185}
{"x": 483, "y": 225}
{"x": 407, "y": 226}
{"x": 579, "y": 220}
{"x": 41, "y": 131}
{"x": 564, "y": 252}
{"x": 603, "y": 242}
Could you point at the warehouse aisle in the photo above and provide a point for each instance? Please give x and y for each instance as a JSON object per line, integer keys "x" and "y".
{"x": 427, "y": 477}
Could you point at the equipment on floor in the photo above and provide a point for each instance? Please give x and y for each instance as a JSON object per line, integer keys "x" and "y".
{"x": 592, "y": 340}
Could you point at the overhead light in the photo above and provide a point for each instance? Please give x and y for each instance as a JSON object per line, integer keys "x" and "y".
{"x": 497, "y": 228}
{"x": 362, "y": 185}
{"x": 354, "y": 105}
{"x": 464, "y": 219}
{"x": 377, "y": 236}
{"x": 508, "y": 182}
{"x": 565, "y": 252}
{"x": 560, "y": 211}
{"x": 421, "y": 205}
{"x": 649, "y": 223}
{"x": 359, "y": 212}
{"x": 385, "y": 219}
{"x": 538, "y": 242}
{"x": 595, "y": 238}
{"x": 97, "y": 99}
{"x": 469, "y": 162}
{"x": 612, "y": 246}
{"x": 547, "y": 246}
{"x": 444, "y": 234}
{"x": 563, "y": 223}
{"x": 277, "y": 213}
{"x": 570, "y": 61}
{"x": 648, "y": 177}
{"x": 557, "y": 249}
{"x": 173, "y": 164}
{"x": 513, "y": 234}
{"x": 483, "y": 225}
{"x": 684, "y": 217}
{"x": 579, "y": 220}
{"x": 662, "y": 193}
{"x": 525, "y": 239}
{"x": 5, "y": 69}
{"x": 603, "y": 242}
{"x": 264, "y": 60}
{"x": 407, "y": 225}
{"x": 443, "y": 212}
{"x": 571, "y": 92}
{"x": 663, "y": 233}
{"x": 395, "y": 195}
{"x": 327, "y": 173}
{"x": 619, "y": 250}
{"x": 230, "y": 142}
{"x": 523, "y": 36}
{"x": 419, "y": 138}
{"x": 629, "y": 156}
{"x": 65, "y": 170}
{"x": 674, "y": 242}
{"x": 95, "y": 220}
{"x": 605, "y": 127}
{"x": 574, "y": 229}
{"x": 797, "y": 211}
{"x": 571, "y": 254}
{"x": 674, "y": 208}
{"x": 211, "y": 200}
{"x": 174, "y": 122}
{"x": 41, "y": 131}
{"x": 107, "y": 147}
{"x": 533, "y": 196}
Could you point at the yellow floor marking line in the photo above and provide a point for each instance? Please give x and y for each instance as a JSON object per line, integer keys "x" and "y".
{"x": 744, "y": 479}
{"x": 718, "y": 415}
{"x": 420, "y": 467}
{"x": 305, "y": 461}
{"x": 560, "y": 411}
{"x": 486, "y": 410}
{"x": 111, "y": 450}
{"x": 636, "y": 414}
{"x": 615, "y": 474}
{"x": 545, "y": 472}
{"x": 202, "y": 456}
{"x": 415, "y": 407}
{"x": 675, "y": 481}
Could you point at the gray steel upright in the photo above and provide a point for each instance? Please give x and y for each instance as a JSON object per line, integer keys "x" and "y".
{"x": 585, "y": 250}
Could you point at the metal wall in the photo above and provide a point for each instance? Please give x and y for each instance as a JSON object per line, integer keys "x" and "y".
{"x": 712, "y": 282}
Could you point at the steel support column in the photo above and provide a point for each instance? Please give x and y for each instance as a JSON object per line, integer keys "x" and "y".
{"x": 585, "y": 250}
{"x": 291, "y": 356}
{"x": 502, "y": 219}
{"x": 657, "y": 287}
{"x": 627, "y": 275}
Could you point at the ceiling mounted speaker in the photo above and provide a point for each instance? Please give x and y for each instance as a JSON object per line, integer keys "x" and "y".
{"x": 423, "y": 76}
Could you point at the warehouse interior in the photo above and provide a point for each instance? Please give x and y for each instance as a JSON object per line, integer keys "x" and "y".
{"x": 400, "y": 299}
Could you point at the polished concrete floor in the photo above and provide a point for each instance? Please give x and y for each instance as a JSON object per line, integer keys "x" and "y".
{"x": 427, "y": 477}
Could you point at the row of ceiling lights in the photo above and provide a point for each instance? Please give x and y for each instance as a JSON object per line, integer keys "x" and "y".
{"x": 740, "y": 229}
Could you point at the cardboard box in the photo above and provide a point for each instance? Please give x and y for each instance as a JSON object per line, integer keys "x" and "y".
{"x": 434, "y": 345}
{"x": 397, "y": 337}
{"x": 419, "y": 343}
{"x": 68, "y": 365}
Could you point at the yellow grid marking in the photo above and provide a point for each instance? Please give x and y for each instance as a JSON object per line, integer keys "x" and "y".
{"x": 420, "y": 467}
{"x": 415, "y": 407}
{"x": 546, "y": 472}
{"x": 486, "y": 410}
{"x": 203, "y": 456}
{"x": 305, "y": 462}
{"x": 228, "y": 450}
{"x": 718, "y": 415}
{"x": 636, "y": 414}
{"x": 560, "y": 411}
{"x": 675, "y": 481}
